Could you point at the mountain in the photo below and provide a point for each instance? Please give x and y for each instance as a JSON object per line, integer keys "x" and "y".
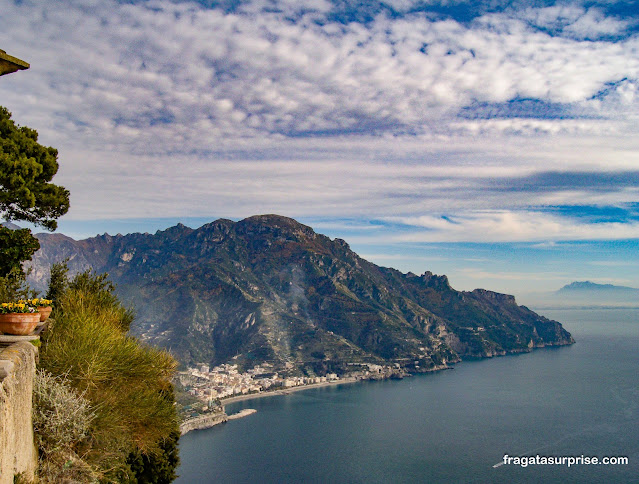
{"x": 591, "y": 295}
{"x": 587, "y": 286}
{"x": 10, "y": 225}
{"x": 585, "y": 294}
{"x": 269, "y": 289}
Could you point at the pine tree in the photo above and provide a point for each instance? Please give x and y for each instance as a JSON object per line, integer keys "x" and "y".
{"x": 26, "y": 191}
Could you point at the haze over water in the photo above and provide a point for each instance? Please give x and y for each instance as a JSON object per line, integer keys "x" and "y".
{"x": 451, "y": 426}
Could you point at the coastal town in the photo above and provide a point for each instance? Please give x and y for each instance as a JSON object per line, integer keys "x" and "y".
{"x": 214, "y": 386}
{"x": 209, "y": 389}
{"x": 211, "y": 385}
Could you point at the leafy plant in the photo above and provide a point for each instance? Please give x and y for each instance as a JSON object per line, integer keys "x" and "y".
{"x": 38, "y": 302}
{"x": 13, "y": 287}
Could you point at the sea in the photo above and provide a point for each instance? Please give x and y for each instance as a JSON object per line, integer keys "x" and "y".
{"x": 453, "y": 426}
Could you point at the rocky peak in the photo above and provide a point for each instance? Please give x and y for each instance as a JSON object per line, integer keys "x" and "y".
{"x": 275, "y": 226}
{"x": 435, "y": 281}
{"x": 342, "y": 243}
{"x": 494, "y": 296}
{"x": 178, "y": 230}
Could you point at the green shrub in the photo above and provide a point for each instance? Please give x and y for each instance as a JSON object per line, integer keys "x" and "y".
{"x": 61, "y": 422}
{"x": 58, "y": 280}
{"x": 98, "y": 292}
{"x": 13, "y": 286}
{"x": 128, "y": 384}
{"x": 61, "y": 417}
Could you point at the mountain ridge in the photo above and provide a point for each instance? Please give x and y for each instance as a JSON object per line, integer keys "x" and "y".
{"x": 593, "y": 286}
{"x": 269, "y": 289}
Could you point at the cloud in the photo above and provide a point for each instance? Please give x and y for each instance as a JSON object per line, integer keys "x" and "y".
{"x": 399, "y": 257}
{"x": 613, "y": 263}
{"x": 509, "y": 226}
{"x": 177, "y": 77}
{"x": 513, "y": 276}
{"x": 344, "y": 193}
{"x": 576, "y": 21}
{"x": 309, "y": 110}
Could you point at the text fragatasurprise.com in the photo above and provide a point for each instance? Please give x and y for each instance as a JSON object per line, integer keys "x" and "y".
{"x": 527, "y": 460}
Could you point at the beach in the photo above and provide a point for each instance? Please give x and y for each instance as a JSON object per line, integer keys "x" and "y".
{"x": 286, "y": 391}
{"x": 210, "y": 420}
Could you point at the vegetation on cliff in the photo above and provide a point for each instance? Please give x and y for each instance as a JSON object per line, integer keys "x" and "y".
{"x": 132, "y": 430}
{"x": 104, "y": 405}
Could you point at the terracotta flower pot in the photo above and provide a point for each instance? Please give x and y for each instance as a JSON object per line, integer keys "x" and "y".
{"x": 20, "y": 324}
{"x": 44, "y": 311}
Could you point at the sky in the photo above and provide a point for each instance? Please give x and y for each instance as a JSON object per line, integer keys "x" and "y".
{"x": 495, "y": 142}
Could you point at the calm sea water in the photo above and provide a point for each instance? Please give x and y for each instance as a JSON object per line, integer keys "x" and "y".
{"x": 451, "y": 426}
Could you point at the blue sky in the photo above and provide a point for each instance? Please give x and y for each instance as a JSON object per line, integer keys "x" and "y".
{"x": 495, "y": 142}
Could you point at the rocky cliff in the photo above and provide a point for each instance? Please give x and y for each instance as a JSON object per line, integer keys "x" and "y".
{"x": 269, "y": 289}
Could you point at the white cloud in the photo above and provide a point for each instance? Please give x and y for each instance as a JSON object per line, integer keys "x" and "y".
{"x": 170, "y": 108}
{"x": 575, "y": 20}
{"x": 509, "y": 226}
{"x": 513, "y": 276}
{"x": 454, "y": 177}
{"x": 163, "y": 76}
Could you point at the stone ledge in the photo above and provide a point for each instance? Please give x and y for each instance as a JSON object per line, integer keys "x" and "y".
{"x": 18, "y": 352}
{"x": 14, "y": 356}
{"x": 8, "y": 339}
{"x": 6, "y": 367}
{"x": 18, "y": 454}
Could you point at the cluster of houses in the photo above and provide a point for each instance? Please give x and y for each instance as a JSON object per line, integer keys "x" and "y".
{"x": 211, "y": 384}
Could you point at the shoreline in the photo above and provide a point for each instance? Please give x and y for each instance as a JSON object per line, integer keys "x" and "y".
{"x": 207, "y": 421}
{"x": 204, "y": 424}
{"x": 287, "y": 391}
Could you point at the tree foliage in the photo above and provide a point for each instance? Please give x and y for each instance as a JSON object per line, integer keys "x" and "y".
{"x": 16, "y": 246}
{"x": 26, "y": 171}
{"x": 13, "y": 285}
{"x": 158, "y": 468}
{"x": 26, "y": 191}
{"x": 58, "y": 280}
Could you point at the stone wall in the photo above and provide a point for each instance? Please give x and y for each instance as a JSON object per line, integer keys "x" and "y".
{"x": 203, "y": 422}
{"x": 18, "y": 454}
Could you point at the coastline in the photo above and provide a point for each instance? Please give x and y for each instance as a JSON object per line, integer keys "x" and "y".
{"x": 250, "y": 396}
{"x": 202, "y": 422}
{"x": 207, "y": 421}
